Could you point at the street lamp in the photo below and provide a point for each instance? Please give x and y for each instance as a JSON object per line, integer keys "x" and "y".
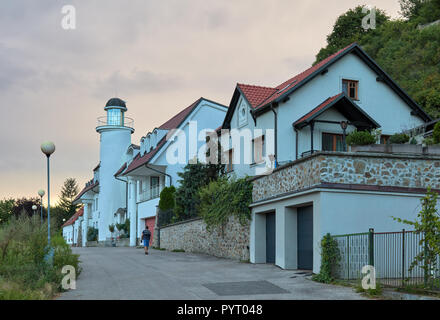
{"x": 41, "y": 194}
{"x": 48, "y": 148}
{"x": 34, "y": 207}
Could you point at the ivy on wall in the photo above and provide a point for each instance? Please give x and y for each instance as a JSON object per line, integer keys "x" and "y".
{"x": 223, "y": 198}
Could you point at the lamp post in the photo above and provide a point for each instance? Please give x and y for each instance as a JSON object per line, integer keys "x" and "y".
{"x": 48, "y": 148}
{"x": 344, "y": 126}
{"x": 41, "y": 194}
{"x": 34, "y": 207}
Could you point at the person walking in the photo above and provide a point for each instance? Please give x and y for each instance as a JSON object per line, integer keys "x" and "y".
{"x": 146, "y": 235}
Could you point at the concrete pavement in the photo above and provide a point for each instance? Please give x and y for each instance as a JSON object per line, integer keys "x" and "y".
{"x": 127, "y": 273}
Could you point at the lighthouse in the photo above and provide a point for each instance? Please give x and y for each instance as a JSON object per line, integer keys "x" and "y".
{"x": 115, "y": 137}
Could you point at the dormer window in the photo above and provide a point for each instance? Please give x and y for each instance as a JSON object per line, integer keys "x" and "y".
{"x": 351, "y": 88}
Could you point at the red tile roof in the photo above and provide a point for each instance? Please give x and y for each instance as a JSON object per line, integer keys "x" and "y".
{"x": 256, "y": 94}
{"x": 88, "y": 187}
{"x": 260, "y": 96}
{"x": 75, "y": 217}
{"x": 140, "y": 161}
{"x": 175, "y": 121}
{"x": 319, "y": 108}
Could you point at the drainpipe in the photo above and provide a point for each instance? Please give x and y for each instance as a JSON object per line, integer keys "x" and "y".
{"x": 126, "y": 194}
{"x": 276, "y": 133}
{"x": 296, "y": 143}
{"x": 312, "y": 126}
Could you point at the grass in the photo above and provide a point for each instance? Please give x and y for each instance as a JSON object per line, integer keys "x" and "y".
{"x": 157, "y": 248}
{"x": 178, "y": 250}
{"x": 24, "y": 273}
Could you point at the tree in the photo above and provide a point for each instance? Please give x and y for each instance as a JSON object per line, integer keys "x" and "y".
{"x": 428, "y": 224}
{"x": 23, "y": 206}
{"x": 193, "y": 177}
{"x": 68, "y": 193}
{"x": 348, "y": 29}
{"x": 420, "y": 11}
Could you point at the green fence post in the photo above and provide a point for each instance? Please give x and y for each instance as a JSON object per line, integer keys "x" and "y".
{"x": 371, "y": 247}
{"x": 403, "y": 257}
{"x": 348, "y": 257}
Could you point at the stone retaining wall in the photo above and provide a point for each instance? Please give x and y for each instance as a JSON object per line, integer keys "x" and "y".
{"x": 192, "y": 236}
{"x": 407, "y": 171}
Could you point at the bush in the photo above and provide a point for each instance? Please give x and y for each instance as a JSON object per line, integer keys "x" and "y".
{"x": 24, "y": 272}
{"x": 193, "y": 177}
{"x": 429, "y": 141}
{"x": 360, "y": 138}
{"x": 330, "y": 257}
{"x": 167, "y": 198}
{"x": 224, "y": 198}
{"x": 436, "y": 133}
{"x": 399, "y": 138}
{"x": 111, "y": 228}
{"x": 92, "y": 234}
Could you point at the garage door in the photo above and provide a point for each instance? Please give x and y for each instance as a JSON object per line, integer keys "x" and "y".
{"x": 305, "y": 238}
{"x": 270, "y": 238}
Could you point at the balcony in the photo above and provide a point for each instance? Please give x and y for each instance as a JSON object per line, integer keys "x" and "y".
{"x": 106, "y": 122}
{"x": 149, "y": 194}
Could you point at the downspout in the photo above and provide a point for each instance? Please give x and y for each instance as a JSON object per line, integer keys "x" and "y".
{"x": 126, "y": 194}
{"x": 296, "y": 143}
{"x": 276, "y": 133}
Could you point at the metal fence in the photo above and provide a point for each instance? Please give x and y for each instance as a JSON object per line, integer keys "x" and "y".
{"x": 391, "y": 254}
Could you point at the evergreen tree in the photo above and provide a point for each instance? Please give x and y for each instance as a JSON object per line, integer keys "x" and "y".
{"x": 65, "y": 205}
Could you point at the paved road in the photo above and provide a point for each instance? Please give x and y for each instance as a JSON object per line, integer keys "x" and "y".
{"x": 127, "y": 273}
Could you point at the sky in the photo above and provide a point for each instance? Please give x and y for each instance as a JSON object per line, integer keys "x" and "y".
{"x": 158, "y": 56}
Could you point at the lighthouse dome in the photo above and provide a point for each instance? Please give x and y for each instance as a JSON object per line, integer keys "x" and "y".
{"x": 115, "y": 103}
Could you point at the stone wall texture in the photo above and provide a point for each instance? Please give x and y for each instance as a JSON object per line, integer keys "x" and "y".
{"x": 410, "y": 171}
{"x": 230, "y": 242}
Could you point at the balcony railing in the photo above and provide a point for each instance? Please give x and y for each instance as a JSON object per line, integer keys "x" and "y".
{"x": 149, "y": 194}
{"x": 104, "y": 121}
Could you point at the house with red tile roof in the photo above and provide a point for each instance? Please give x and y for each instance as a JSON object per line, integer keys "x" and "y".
{"x": 304, "y": 113}
{"x": 317, "y": 184}
{"x": 72, "y": 226}
{"x": 163, "y": 153}
{"x": 129, "y": 178}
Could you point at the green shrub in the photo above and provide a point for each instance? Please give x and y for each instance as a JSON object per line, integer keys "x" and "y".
{"x": 111, "y": 228}
{"x": 436, "y": 133}
{"x": 330, "y": 258}
{"x": 429, "y": 141}
{"x": 223, "y": 198}
{"x": 413, "y": 141}
{"x": 399, "y": 138}
{"x": 92, "y": 234}
{"x": 360, "y": 138}
{"x": 167, "y": 198}
{"x": 192, "y": 179}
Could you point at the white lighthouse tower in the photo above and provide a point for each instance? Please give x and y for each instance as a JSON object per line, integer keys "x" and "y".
{"x": 115, "y": 130}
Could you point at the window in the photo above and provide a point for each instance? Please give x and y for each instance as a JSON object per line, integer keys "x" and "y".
{"x": 351, "y": 88}
{"x": 228, "y": 166}
{"x": 154, "y": 182}
{"x": 258, "y": 146}
{"x": 332, "y": 142}
{"x": 140, "y": 187}
{"x": 114, "y": 117}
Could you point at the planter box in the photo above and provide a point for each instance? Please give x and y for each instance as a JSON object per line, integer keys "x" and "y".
{"x": 123, "y": 242}
{"x": 434, "y": 150}
{"x": 391, "y": 148}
